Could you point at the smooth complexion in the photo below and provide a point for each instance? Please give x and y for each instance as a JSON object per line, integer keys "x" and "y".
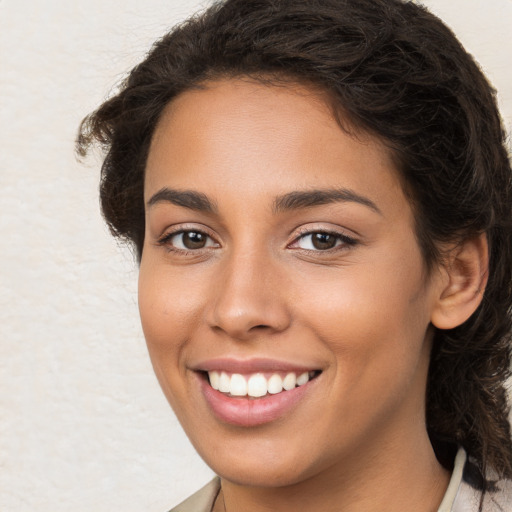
{"x": 246, "y": 270}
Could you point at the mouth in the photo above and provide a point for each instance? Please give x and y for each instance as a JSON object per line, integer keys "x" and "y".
{"x": 259, "y": 384}
{"x": 257, "y": 392}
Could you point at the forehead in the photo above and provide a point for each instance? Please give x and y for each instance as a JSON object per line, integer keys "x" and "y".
{"x": 263, "y": 138}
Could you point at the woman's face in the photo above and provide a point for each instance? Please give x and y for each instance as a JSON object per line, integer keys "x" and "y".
{"x": 280, "y": 249}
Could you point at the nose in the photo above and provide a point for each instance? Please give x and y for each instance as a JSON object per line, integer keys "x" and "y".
{"x": 249, "y": 298}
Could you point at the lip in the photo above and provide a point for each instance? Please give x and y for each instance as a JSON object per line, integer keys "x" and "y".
{"x": 246, "y": 366}
{"x": 246, "y": 411}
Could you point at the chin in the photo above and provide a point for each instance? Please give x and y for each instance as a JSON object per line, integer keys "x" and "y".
{"x": 256, "y": 474}
{"x": 258, "y": 462}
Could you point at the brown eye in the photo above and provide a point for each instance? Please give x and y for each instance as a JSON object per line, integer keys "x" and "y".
{"x": 323, "y": 241}
{"x": 194, "y": 240}
{"x": 188, "y": 240}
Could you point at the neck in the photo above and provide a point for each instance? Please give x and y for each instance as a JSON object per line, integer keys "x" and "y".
{"x": 389, "y": 479}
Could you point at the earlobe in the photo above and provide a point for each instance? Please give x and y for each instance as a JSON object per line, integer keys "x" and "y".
{"x": 465, "y": 273}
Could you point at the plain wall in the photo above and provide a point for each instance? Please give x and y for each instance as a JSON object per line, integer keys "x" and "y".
{"x": 83, "y": 424}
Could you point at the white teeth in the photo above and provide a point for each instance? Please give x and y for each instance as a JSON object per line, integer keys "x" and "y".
{"x": 238, "y": 385}
{"x": 256, "y": 385}
{"x": 224, "y": 383}
{"x": 275, "y": 384}
{"x": 302, "y": 378}
{"x": 214, "y": 379}
{"x": 290, "y": 381}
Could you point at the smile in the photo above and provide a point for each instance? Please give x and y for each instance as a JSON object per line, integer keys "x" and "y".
{"x": 257, "y": 385}
{"x": 255, "y": 392}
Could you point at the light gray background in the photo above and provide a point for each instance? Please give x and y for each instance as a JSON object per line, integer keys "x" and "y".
{"x": 83, "y": 424}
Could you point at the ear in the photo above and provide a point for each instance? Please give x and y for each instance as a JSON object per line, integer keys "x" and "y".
{"x": 462, "y": 284}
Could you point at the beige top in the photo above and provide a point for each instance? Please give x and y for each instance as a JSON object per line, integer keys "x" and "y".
{"x": 460, "y": 496}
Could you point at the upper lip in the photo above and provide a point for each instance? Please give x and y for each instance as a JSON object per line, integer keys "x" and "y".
{"x": 245, "y": 366}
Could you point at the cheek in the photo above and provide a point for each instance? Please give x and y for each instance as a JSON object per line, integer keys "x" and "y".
{"x": 168, "y": 311}
{"x": 379, "y": 355}
{"x": 373, "y": 322}
{"x": 164, "y": 306}
{"x": 168, "y": 303}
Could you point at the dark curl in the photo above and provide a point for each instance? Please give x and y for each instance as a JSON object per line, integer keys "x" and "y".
{"x": 392, "y": 70}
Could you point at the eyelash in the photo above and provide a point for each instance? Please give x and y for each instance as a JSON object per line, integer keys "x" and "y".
{"x": 342, "y": 241}
{"x": 166, "y": 239}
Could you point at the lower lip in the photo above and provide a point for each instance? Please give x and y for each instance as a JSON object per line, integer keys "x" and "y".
{"x": 247, "y": 412}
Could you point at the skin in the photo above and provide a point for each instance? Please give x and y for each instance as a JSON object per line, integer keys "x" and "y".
{"x": 360, "y": 312}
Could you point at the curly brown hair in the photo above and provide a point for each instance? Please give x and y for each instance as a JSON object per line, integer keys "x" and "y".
{"x": 393, "y": 70}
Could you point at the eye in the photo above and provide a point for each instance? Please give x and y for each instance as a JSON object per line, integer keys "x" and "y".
{"x": 322, "y": 241}
{"x": 187, "y": 240}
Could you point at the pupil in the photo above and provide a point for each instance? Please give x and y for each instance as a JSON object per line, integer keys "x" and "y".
{"x": 323, "y": 241}
{"x": 193, "y": 240}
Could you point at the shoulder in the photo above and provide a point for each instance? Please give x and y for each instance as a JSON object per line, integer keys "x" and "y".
{"x": 469, "y": 491}
{"x": 497, "y": 498}
{"x": 501, "y": 499}
{"x": 202, "y": 500}
{"x": 497, "y": 493}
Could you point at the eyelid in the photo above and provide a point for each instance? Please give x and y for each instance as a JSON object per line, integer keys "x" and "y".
{"x": 346, "y": 239}
{"x": 172, "y": 231}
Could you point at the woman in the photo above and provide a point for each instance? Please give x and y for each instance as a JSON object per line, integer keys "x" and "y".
{"x": 320, "y": 199}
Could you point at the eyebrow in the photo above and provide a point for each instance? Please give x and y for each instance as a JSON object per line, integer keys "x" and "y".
{"x": 311, "y": 198}
{"x": 291, "y": 201}
{"x": 185, "y": 198}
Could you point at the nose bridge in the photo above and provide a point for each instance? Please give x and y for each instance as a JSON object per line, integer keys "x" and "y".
{"x": 247, "y": 299}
